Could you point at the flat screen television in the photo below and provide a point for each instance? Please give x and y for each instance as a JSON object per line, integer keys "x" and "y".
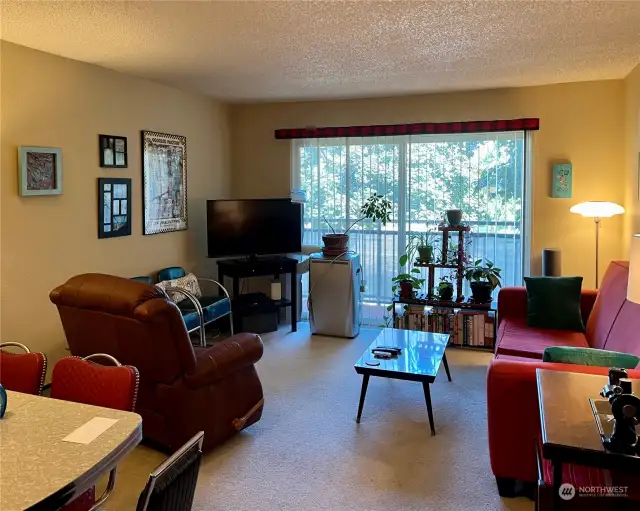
{"x": 253, "y": 227}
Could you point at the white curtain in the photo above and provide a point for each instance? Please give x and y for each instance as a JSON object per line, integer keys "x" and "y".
{"x": 422, "y": 175}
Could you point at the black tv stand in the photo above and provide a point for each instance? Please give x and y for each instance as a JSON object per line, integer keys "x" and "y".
{"x": 254, "y": 266}
{"x": 252, "y": 259}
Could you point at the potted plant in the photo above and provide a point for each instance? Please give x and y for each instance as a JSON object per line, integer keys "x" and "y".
{"x": 406, "y": 284}
{"x": 483, "y": 279}
{"x": 445, "y": 289}
{"x": 420, "y": 245}
{"x": 454, "y": 217}
{"x": 376, "y": 207}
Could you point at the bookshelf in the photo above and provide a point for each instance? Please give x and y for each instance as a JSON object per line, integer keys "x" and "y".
{"x": 469, "y": 325}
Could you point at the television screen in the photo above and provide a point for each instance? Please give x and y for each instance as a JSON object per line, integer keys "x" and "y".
{"x": 253, "y": 227}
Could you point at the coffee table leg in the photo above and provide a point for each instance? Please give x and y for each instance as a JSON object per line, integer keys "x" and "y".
{"x": 427, "y": 398}
{"x": 363, "y": 393}
{"x": 446, "y": 365}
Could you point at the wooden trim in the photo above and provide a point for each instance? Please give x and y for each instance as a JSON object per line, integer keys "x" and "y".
{"x": 242, "y": 421}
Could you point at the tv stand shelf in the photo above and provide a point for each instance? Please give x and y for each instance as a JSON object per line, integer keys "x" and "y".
{"x": 242, "y": 268}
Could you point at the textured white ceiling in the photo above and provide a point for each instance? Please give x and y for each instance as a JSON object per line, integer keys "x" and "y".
{"x": 280, "y": 50}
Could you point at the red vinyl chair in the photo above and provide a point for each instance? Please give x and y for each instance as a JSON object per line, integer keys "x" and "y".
{"x": 82, "y": 381}
{"x": 22, "y": 372}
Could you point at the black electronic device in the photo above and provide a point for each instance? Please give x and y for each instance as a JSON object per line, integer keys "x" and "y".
{"x": 253, "y": 227}
{"x": 625, "y": 408}
{"x": 386, "y": 352}
{"x": 393, "y": 349}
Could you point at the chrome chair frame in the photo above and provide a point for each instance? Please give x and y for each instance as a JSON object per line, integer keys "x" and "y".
{"x": 199, "y": 309}
{"x": 15, "y": 344}
{"x": 111, "y": 483}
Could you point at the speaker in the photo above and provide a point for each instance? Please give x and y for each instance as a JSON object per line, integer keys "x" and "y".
{"x": 551, "y": 262}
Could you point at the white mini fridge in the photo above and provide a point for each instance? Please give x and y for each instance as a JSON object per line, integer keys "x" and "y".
{"x": 334, "y": 295}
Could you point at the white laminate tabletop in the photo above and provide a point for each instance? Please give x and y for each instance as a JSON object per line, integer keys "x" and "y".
{"x": 34, "y": 461}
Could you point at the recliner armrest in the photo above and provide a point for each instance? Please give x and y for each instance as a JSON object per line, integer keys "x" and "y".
{"x": 225, "y": 358}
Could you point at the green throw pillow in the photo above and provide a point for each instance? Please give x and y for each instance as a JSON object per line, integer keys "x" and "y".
{"x": 554, "y": 302}
{"x": 590, "y": 357}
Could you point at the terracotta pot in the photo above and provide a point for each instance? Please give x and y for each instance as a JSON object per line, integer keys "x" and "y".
{"x": 425, "y": 254}
{"x": 481, "y": 292}
{"x": 454, "y": 217}
{"x": 406, "y": 289}
{"x": 336, "y": 241}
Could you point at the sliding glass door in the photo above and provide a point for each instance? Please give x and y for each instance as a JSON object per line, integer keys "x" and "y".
{"x": 482, "y": 173}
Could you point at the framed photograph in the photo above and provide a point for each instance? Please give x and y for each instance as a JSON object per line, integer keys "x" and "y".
{"x": 164, "y": 182}
{"x": 114, "y": 207}
{"x": 40, "y": 171}
{"x": 561, "y": 182}
{"x": 113, "y": 151}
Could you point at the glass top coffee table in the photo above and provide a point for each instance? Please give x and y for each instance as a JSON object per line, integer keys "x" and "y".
{"x": 422, "y": 353}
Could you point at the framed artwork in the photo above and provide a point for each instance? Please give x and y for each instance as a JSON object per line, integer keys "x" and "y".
{"x": 164, "y": 182}
{"x": 40, "y": 171}
{"x": 113, "y": 151}
{"x": 114, "y": 207}
{"x": 561, "y": 182}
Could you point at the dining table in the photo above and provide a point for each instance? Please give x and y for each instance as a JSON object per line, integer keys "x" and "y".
{"x": 52, "y": 451}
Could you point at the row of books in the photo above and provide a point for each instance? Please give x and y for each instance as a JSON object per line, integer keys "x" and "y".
{"x": 465, "y": 328}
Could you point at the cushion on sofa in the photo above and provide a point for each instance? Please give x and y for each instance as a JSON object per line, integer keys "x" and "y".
{"x": 517, "y": 339}
{"x": 590, "y": 357}
{"x": 554, "y": 302}
{"x": 611, "y": 297}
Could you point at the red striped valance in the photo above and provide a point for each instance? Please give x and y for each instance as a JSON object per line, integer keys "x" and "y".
{"x": 419, "y": 128}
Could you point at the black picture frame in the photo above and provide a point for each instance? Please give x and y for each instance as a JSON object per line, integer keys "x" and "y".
{"x": 114, "y": 207}
{"x": 113, "y": 151}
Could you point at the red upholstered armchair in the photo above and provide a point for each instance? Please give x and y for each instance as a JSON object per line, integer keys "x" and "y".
{"x": 183, "y": 390}
{"x": 82, "y": 381}
{"x": 22, "y": 372}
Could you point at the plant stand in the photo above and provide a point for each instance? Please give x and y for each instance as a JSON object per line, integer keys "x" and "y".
{"x": 431, "y": 267}
{"x": 462, "y": 331}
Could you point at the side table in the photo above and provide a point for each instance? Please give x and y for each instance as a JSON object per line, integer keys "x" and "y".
{"x": 569, "y": 430}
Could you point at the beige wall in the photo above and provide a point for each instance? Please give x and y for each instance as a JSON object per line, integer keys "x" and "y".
{"x": 632, "y": 153}
{"x": 51, "y": 101}
{"x": 581, "y": 122}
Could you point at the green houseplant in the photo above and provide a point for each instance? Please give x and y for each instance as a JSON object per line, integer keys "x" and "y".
{"x": 377, "y": 207}
{"x": 407, "y": 281}
{"x": 420, "y": 245}
{"x": 444, "y": 290}
{"x": 483, "y": 279}
{"x": 406, "y": 284}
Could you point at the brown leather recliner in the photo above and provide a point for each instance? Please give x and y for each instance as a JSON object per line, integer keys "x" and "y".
{"x": 183, "y": 389}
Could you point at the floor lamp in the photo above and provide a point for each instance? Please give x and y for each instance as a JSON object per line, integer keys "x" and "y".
{"x": 597, "y": 210}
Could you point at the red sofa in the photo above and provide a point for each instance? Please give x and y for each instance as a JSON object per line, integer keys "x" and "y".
{"x": 612, "y": 323}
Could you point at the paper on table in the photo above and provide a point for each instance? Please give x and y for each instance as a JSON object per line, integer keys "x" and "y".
{"x": 89, "y": 431}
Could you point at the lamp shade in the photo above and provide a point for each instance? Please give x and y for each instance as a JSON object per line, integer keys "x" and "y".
{"x": 597, "y": 209}
{"x": 633, "y": 287}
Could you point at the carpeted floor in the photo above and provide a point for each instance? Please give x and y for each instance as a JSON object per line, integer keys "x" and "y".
{"x": 307, "y": 452}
